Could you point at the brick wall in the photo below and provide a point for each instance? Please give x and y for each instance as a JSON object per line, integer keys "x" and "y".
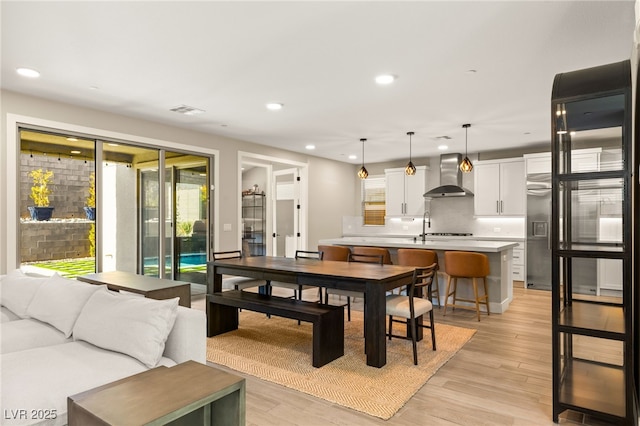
{"x": 53, "y": 240}
{"x": 66, "y": 236}
{"x": 69, "y": 189}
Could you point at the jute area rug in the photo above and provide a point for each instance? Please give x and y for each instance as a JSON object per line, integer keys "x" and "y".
{"x": 279, "y": 350}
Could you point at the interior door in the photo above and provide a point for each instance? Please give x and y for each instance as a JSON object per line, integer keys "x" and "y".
{"x": 286, "y": 212}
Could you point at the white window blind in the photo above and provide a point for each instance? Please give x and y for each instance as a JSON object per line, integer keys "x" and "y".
{"x": 373, "y": 200}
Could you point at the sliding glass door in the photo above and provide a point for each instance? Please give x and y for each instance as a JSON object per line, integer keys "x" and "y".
{"x": 189, "y": 207}
{"x": 113, "y": 209}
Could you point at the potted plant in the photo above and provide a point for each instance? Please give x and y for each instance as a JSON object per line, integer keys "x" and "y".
{"x": 40, "y": 194}
{"x": 90, "y": 208}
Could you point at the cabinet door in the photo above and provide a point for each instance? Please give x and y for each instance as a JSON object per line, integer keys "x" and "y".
{"x": 415, "y": 188}
{"x": 540, "y": 164}
{"x": 395, "y": 193}
{"x": 512, "y": 188}
{"x": 486, "y": 200}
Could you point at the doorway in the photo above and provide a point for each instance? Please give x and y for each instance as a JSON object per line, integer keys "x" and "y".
{"x": 286, "y": 212}
{"x": 284, "y": 186}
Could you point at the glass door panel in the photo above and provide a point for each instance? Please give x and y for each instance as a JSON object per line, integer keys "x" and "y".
{"x": 191, "y": 219}
{"x": 128, "y": 190}
{"x": 149, "y": 214}
{"x": 55, "y": 187}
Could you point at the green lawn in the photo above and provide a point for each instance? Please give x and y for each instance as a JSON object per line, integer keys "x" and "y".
{"x": 69, "y": 268}
{"x": 72, "y": 268}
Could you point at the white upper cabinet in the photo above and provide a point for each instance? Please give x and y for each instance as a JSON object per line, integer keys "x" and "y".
{"x": 499, "y": 188}
{"x": 404, "y": 193}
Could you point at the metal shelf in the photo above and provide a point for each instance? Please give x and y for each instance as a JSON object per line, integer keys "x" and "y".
{"x": 598, "y": 327}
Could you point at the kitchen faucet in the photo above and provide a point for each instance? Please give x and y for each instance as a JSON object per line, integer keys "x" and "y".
{"x": 426, "y": 215}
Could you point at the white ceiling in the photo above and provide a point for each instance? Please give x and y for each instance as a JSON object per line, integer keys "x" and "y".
{"x": 319, "y": 59}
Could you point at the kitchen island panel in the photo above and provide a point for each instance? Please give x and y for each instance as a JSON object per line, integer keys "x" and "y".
{"x": 499, "y": 252}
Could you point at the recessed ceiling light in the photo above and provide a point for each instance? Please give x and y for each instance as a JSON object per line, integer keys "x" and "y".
{"x": 353, "y": 157}
{"x": 310, "y": 147}
{"x": 28, "y": 72}
{"x": 72, "y": 139}
{"x": 385, "y": 79}
{"x": 443, "y": 147}
{"x": 76, "y": 152}
{"x": 274, "y": 106}
{"x": 112, "y": 144}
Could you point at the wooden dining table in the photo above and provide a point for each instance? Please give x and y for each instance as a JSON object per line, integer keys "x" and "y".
{"x": 373, "y": 280}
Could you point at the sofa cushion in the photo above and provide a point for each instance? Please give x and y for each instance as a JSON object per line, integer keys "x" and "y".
{"x": 7, "y": 315}
{"x": 132, "y": 325}
{"x": 42, "y": 378}
{"x": 17, "y": 291}
{"x": 27, "y": 334}
{"x": 59, "y": 301}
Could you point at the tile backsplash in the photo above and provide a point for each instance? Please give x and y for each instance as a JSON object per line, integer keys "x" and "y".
{"x": 447, "y": 215}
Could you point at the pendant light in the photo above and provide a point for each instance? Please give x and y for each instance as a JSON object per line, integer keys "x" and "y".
{"x": 363, "y": 173}
{"x": 466, "y": 165}
{"x": 410, "y": 169}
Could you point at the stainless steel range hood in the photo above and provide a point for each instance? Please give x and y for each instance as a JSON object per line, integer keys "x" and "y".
{"x": 450, "y": 179}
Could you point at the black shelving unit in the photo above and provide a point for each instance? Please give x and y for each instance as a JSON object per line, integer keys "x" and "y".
{"x": 253, "y": 224}
{"x": 593, "y": 289}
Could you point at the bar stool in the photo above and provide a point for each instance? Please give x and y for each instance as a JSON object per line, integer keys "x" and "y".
{"x": 463, "y": 264}
{"x": 421, "y": 258}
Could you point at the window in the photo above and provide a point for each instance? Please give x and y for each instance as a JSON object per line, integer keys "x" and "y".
{"x": 373, "y": 200}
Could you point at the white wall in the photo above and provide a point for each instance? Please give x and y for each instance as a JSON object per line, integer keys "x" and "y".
{"x": 331, "y": 186}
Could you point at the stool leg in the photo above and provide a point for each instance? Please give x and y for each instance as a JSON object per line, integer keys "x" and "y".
{"x": 475, "y": 294}
{"x": 455, "y": 291}
{"x": 437, "y": 289}
{"x": 446, "y": 298}
{"x": 486, "y": 293}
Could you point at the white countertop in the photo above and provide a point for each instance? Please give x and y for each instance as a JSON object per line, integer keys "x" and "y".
{"x": 459, "y": 243}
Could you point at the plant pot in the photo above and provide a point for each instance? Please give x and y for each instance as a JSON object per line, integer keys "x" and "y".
{"x": 40, "y": 213}
{"x": 90, "y": 212}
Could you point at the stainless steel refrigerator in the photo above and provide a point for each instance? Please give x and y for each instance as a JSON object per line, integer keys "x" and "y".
{"x": 539, "y": 231}
{"x": 539, "y": 235}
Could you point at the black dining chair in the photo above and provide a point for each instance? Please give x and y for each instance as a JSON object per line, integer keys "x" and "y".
{"x": 411, "y": 306}
{"x": 297, "y": 288}
{"x": 232, "y": 282}
{"x": 353, "y": 257}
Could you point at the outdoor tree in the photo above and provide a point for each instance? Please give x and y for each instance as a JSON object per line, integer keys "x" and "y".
{"x": 40, "y": 189}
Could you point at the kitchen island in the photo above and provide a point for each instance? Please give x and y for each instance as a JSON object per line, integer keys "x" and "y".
{"x": 499, "y": 252}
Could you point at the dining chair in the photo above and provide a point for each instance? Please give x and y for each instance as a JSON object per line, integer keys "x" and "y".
{"x": 376, "y": 251}
{"x": 413, "y": 305}
{"x": 422, "y": 257}
{"x": 298, "y": 288}
{"x": 232, "y": 282}
{"x": 464, "y": 264}
{"x": 352, "y": 257}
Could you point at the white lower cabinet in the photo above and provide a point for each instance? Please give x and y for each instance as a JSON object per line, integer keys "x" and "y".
{"x": 518, "y": 264}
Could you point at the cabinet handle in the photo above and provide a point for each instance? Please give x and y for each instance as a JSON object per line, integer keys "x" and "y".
{"x": 501, "y": 207}
{"x": 497, "y": 206}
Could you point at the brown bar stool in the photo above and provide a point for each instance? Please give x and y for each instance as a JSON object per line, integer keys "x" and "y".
{"x": 339, "y": 253}
{"x": 463, "y": 264}
{"x": 422, "y": 258}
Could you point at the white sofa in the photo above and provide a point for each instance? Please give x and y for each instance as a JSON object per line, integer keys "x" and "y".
{"x": 60, "y": 337}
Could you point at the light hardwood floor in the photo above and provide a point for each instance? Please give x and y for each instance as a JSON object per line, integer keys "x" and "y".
{"x": 501, "y": 377}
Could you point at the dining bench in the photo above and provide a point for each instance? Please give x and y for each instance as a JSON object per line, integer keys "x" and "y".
{"x": 327, "y": 320}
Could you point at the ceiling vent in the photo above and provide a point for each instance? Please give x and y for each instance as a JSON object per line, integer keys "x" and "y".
{"x": 187, "y": 110}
